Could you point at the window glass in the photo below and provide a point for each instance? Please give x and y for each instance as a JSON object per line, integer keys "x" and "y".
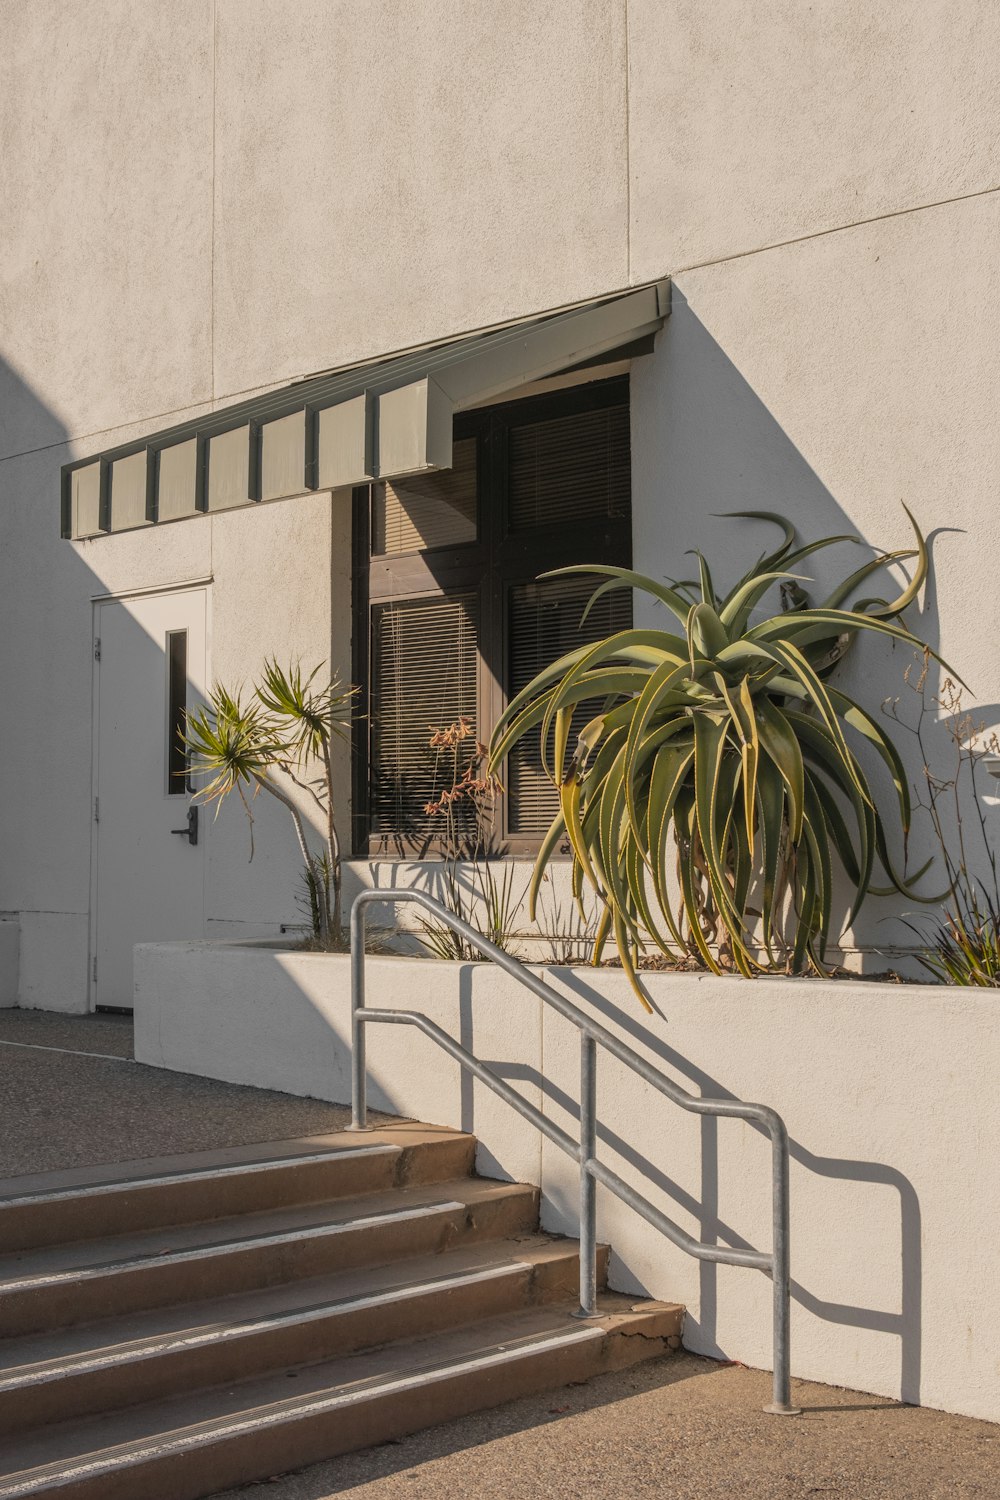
{"x": 446, "y": 629}
{"x": 177, "y": 760}
{"x": 571, "y": 468}
{"x": 424, "y": 677}
{"x": 544, "y": 623}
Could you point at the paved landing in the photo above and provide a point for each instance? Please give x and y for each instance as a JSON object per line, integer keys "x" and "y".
{"x": 71, "y": 1096}
{"x": 680, "y": 1428}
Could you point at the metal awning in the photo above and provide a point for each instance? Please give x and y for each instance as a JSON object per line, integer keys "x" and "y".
{"x": 378, "y": 420}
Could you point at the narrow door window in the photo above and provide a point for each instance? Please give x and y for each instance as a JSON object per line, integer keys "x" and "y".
{"x": 177, "y": 672}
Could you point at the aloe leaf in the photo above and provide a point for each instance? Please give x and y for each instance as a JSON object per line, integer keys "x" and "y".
{"x": 604, "y": 925}
{"x": 556, "y": 833}
{"x": 770, "y": 559}
{"x": 706, "y": 633}
{"x": 820, "y": 747}
{"x": 627, "y": 578}
{"x": 778, "y": 741}
{"x": 737, "y": 608}
{"x": 844, "y": 590}
{"x": 623, "y": 943}
{"x": 705, "y": 579}
{"x": 609, "y": 682}
{"x": 788, "y": 626}
{"x": 819, "y": 846}
{"x": 710, "y": 733}
{"x": 794, "y": 662}
{"x": 690, "y": 897}
{"x": 920, "y": 572}
{"x": 854, "y": 715}
{"x": 805, "y": 912}
{"x": 771, "y": 807}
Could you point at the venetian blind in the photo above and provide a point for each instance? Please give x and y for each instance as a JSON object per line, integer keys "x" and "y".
{"x": 571, "y": 468}
{"x": 544, "y": 623}
{"x": 424, "y": 669}
{"x": 427, "y": 510}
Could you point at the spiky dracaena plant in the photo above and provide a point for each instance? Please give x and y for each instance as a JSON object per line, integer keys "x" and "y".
{"x": 280, "y": 736}
{"x": 728, "y": 736}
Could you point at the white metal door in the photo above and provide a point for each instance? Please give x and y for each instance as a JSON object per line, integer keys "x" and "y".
{"x": 150, "y": 839}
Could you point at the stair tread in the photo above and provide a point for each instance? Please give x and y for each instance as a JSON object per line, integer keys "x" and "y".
{"x": 16, "y": 1190}
{"x": 36, "y": 1355}
{"x": 34, "y": 1267}
{"x": 195, "y": 1418}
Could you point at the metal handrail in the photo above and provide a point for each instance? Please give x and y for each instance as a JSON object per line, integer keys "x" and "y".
{"x": 776, "y": 1264}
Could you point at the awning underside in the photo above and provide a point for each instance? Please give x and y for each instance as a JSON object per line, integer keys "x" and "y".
{"x": 379, "y": 420}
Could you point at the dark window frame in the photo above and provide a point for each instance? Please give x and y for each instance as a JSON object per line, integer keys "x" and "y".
{"x": 498, "y": 560}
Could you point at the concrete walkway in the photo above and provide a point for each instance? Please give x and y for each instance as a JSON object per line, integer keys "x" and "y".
{"x": 682, "y": 1428}
{"x": 71, "y": 1096}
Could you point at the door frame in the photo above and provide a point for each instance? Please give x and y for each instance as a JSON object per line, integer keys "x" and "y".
{"x": 97, "y": 601}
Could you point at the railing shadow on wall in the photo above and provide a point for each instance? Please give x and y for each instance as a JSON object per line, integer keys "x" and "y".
{"x": 705, "y": 1207}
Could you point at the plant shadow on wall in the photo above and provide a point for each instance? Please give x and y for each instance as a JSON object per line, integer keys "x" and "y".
{"x": 721, "y": 752}
{"x": 960, "y": 946}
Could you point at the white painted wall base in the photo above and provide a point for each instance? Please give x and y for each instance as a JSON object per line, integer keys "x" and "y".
{"x": 889, "y": 1094}
{"x": 9, "y": 945}
{"x": 52, "y": 967}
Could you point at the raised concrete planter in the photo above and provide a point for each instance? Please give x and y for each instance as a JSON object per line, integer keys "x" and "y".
{"x": 889, "y": 1093}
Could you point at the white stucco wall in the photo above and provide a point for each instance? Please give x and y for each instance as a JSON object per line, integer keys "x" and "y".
{"x": 226, "y": 194}
{"x": 888, "y": 1093}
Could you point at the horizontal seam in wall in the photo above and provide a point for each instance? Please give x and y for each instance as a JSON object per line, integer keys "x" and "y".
{"x": 85, "y": 437}
{"x": 820, "y": 234}
{"x": 700, "y": 265}
{"x": 11, "y": 913}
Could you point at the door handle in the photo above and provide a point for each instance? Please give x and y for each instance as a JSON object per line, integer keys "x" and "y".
{"x": 191, "y": 831}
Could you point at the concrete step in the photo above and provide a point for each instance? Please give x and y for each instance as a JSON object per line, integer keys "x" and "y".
{"x": 190, "y": 1446}
{"x": 92, "y": 1203}
{"x": 152, "y": 1355}
{"x": 171, "y": 1328}
{"x": 66, "y": 1284}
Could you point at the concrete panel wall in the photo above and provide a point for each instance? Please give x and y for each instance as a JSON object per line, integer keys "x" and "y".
{"x": 106, "y": 199}
{"x": 392, "y": 173}
{"x": 831, "y": 381}
{"x": 754, "y": 124}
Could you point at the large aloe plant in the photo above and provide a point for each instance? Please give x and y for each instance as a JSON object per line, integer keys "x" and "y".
{"x": 725, "y": 739}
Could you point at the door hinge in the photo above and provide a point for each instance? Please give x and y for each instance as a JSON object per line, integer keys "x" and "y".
{"x": 97, "y": 809}
{"x": 97, "y": 649}
{"x": 94, "y": 969}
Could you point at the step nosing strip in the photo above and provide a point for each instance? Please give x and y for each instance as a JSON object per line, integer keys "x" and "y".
{"x": 274, "y": 1414}
{"x": 190, "y": 1175}
{"x": 221, "y": 1248}
{"x": 225, "y": 1333}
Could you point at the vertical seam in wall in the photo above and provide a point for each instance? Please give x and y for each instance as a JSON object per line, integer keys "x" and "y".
{"x": 628, "y": 164}
{"x": 211, "y": 295}
{"x": 541, "y": 1099}
{"x": 211, "y": 311}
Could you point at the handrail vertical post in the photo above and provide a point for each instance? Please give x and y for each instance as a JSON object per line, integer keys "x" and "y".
{"x": 359, "y": 1067}
{"x": 588, "y": 1186}
{"x": 781, "y": 1402}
